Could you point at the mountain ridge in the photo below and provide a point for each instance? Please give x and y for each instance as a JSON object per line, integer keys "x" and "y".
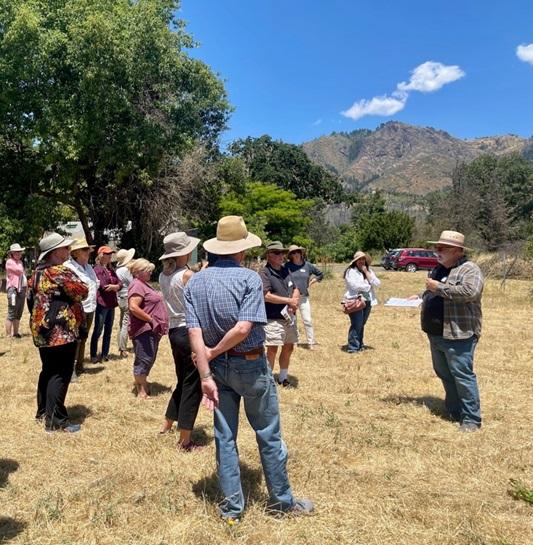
{"x": 401, "y": 158}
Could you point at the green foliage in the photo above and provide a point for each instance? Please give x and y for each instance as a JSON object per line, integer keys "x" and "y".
{"x": 287, "y": 166}
{"x": 344, "y": 244}
{"x": 380, "y": 231}
{"x": 519, "y": 491}
{"x": 269, "y": 212}
{"x": 95, "y": 97}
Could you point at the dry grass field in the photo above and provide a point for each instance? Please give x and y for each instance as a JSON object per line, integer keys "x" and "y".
{"x": 365, "y": 433}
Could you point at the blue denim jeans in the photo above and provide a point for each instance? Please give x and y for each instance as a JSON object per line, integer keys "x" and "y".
{"x": 356, "y": 332}
{"x": 103, "y": 320}
{"x": 252, "y": 380}
{"x": 453, "y": 361}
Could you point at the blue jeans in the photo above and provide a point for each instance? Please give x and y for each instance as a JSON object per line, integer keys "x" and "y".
{"x": 453, "y": 361}
{"x": 103, "y": 320}
{"x": 252, "y": 380}
{"x": 357, "y": 328}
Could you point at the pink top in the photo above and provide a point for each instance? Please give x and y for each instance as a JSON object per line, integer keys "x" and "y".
{"x": 153, "y": 304}
{"x": 15, "y": 274}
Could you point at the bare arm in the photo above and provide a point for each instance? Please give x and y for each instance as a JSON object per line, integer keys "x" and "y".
{"x": 232, "y": 338}
{"x": 134, "y": 307}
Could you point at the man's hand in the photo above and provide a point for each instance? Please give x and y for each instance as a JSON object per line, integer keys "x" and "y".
{"x": 413, "y": 297}
{"x": 210, "y": 391}
{"x": 294, "y": 302}
{"x": 432, "y": 285}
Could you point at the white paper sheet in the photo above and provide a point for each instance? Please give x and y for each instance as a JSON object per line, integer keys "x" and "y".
{"x": 399, "y": 302}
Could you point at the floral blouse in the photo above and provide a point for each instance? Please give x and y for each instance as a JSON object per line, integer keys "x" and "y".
{"x": 57, "y": 310}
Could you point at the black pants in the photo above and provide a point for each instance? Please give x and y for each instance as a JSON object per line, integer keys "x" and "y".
{"x": 185, "y": 401}
{"x": 58, "y": 364}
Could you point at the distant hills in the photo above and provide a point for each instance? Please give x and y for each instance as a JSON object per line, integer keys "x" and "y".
{"x": 402, "y": 158}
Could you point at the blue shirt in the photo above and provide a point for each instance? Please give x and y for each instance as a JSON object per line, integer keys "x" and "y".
{"x": 222, "y": 295}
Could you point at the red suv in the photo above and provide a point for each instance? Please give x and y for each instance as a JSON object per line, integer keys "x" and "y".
{"x": 412, "y": 259}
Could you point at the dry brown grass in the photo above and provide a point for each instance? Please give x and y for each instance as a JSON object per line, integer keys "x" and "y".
{"x": 365, "y": 437}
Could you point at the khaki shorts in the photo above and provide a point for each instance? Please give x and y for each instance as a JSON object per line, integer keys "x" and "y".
{"x": 279, "y": 332}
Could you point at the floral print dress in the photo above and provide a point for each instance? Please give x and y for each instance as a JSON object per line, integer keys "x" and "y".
{"x": 57, "y": 305}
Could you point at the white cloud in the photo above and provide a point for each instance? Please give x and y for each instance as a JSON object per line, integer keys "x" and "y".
{"x": 425, "y": 78}
{"x": 317, "y": 122}
{"x": 525, "y": 53}
{"x": 431, "y": 76}
{"x": 383, "y": 105}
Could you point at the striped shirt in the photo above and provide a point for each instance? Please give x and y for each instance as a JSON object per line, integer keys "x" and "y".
{"x": 462, "y": 292}
{"x": 222, "y": 295}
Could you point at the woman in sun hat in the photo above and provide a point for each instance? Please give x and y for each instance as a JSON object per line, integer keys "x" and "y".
{"x": 148, "y": 322}
{"x": 304, "y": 275}
{"x": 124, "y": 258}
{"x": 80, "y": 251}
{"x": 16, "y": 290}
{"x": 360, "y": 282}
{"x": 186, "y": 397}
{"x": 55, "y": 298}
{"x": 106, "y": 302}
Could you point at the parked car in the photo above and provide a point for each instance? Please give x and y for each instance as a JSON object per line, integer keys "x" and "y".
{"x": 386, "y": 260}
{"x": 412, "y": 259}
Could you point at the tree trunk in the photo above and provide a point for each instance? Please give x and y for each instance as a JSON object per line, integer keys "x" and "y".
{"x": 84, "y": 221}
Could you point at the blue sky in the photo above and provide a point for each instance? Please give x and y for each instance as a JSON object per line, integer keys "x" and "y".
{"x": 292, "y": 67}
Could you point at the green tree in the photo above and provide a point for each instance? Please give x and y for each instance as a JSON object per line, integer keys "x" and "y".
{"x": 98, "y": 97}
{"x": 287, "y": 166}
{"x": 274, "y": 213}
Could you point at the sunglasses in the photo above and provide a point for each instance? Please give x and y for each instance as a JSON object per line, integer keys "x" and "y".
{"x": 443, "y": 248}
{"x": 276, "y": 252}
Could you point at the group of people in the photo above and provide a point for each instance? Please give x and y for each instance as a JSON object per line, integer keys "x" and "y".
{"x": 219, "y": 321}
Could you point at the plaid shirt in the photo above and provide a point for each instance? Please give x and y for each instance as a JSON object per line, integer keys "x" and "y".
{"x": 462, "y": 300}
{"x": 222, "y": 295}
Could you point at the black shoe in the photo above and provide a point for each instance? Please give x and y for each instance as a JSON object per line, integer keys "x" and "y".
{"x": 286, "y": 384}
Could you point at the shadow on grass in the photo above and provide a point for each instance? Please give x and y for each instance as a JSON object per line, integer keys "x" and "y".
{"x": 207, "y": 488}
{"x": 92, "y": 370}
{"x": 292, "y": 379}
{"x": 200, "y": 435}
{"x": 10, "y": 528}
{"x": 157, "y": 389}
{"x": 435, "y": 405}
{"x": 7, "y": 466}
{"x": 78, "y": 413}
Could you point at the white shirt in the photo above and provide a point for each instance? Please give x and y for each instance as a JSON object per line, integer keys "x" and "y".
{"x": 357, "y": 284}
{"x": 87, "y": 275}
{"x": 172, "y": 288}
{"x": 124, "y": 275}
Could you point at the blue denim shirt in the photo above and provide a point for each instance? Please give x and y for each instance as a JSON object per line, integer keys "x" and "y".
{"x": 222, "y": 295}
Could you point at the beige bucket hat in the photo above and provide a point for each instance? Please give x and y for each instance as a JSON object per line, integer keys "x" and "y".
{"x": 358, "y": 255}
{"x": 451, "y": 238}
{"x": 178, "y": 244}
{"x": 232, "y": 237}
{"x": 296, "y": 248}
{"x": 124, "y": 256}
{"x": 51, "y": 242}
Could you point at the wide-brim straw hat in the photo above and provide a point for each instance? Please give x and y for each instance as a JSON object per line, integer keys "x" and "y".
{"x": 16, "y": 248}
{"x": 81, "y": 244}
{"x": 124, "y": 256}
{"x": 51, "y": 242}
{"x": 296, "y": 248}
{"x": 451, "y": 238}
{"x": 232, "y": 237}
{"x": 178, "y": 244}
{"x": 358, "y": 255}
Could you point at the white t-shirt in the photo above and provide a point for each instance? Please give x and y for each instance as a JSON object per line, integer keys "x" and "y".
{"x": 124, "y": 275}
{"x": 87, "y": 275}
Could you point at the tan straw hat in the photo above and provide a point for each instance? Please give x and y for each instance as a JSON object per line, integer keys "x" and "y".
{"x": 80, "y": 244}
{"x": 178, "y": 244}
{"x": 450, "y": 238}
{"x": 232, "y": 237}
{"x": 51, "y": 242}
{"x": 124, "y": 256}
{"x": 358, "y": 255}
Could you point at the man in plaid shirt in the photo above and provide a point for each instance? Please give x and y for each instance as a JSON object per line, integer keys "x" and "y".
{"x": 451, "y": 317}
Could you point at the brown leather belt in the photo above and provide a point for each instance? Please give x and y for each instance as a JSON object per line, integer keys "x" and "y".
{"x": 255, "y": 352}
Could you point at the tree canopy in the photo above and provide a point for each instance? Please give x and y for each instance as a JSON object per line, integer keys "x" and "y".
{"x": 287, "y": 166}
{"x": 97, "y": 97}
